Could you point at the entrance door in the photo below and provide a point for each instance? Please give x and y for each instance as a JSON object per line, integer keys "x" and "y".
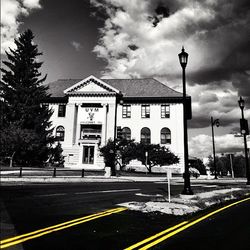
{"x": 88, "y": 155}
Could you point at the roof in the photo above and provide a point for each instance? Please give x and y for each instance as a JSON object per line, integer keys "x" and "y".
{"x": 148, "y": 87}
{"x": 56, "y": 88}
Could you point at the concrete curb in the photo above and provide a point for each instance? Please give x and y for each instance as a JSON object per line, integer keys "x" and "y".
{"x": 76, "y": 179}
{"x": 60, "y": 179}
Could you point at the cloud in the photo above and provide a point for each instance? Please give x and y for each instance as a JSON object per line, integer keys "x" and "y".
{"x": 201, "y": 145}
{"x": 11, "y": 11}
{"x": 214, "y": 33}
{"x": 31, "y": 4}
{"x": 143, "y": 39}
{"x": 219, "y": 101}
{"x": 77, "y": 46}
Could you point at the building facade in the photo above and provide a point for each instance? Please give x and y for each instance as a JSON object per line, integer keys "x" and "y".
{"x": 88, "y": 111}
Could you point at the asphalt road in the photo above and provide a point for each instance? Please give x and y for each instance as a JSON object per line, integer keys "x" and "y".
{"x": 39, "y": 205}
{"x": 227, "y": 230}
{"x": 31, "y": 207}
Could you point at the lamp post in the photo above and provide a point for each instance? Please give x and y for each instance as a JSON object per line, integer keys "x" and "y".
{"x": 217, "y": 123}
{"x": 183, "y": 58}
{"x": 244, "y": 131}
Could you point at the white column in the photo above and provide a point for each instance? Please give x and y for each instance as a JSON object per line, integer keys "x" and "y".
{"x": 104, "y": 125}
{"x": 75, "y": 124}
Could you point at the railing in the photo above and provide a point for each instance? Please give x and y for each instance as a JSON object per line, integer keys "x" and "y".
{"x": 49, "y": 172}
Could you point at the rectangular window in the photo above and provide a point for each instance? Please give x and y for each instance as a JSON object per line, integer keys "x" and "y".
{"x": 145, "y": 111}
{"x": 61, "y": 110}
{"x": 126, "y": 111}
{"x": 165, "y": 111}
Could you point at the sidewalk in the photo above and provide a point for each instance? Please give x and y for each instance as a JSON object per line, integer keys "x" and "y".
{"x": 75, "y": 179}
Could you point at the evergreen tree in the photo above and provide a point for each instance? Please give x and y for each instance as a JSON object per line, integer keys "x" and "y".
{"x": 25, "y": 125}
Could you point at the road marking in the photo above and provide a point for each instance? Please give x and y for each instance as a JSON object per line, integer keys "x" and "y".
{"x": 149, "y": 195}
{"x": 172, "y": 183}
{"x": 179, "y": 228}
{"x": 109, "y": 191}
{"x": 204, "y": 185}
{"x": 38, "y": 233}
{"x": 156, "y": 236}
{"x": 47, "y": 195}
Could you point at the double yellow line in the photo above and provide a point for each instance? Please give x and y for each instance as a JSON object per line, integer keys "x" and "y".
{"x": 168, "y": 233}
{"x": 38, "y": 233}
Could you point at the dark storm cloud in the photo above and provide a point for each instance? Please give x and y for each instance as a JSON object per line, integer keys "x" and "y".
{"x": 241, "y": 81}
{"x": 230, "y": 32}
{"x": 208, "y": 98}
{"x": 199, "y": 122}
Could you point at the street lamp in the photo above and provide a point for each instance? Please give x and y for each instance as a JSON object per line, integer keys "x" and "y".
{"x": 113, "y": 152}
{"x": 217, "y": 124}
{"x": 183, "y": 58}
{"x": 245, "y": 132}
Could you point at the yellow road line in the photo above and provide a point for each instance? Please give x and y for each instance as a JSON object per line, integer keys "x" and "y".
{"x": 190, "y": 224}
{"x": 156, "y": 236}
{"x": 57, "y": 225}
{"x": 38, "y": 233}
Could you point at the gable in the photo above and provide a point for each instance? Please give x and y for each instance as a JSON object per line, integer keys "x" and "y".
{"x": 90, "y": 85}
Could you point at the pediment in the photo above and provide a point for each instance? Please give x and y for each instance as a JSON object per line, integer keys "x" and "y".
{"x": 91, "y": 85}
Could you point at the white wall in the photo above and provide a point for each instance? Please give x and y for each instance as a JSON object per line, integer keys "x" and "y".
{"x": 155, "y": 123}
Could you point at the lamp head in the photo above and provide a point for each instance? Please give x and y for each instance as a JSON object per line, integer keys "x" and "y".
{"x": 183, "y": 58}
{"x": 241, "y": 103}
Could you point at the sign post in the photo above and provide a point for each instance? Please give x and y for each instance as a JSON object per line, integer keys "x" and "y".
{"x": 231, "y": 164}
{"x": 169, "y": 177}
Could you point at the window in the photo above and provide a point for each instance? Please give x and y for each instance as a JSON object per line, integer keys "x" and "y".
{"x": 126, "y": 133}
{"x": 90, "y": 132}
{"x": 145, "y": 111}
{"x": 126, "y": 111}
{"x": 61, "y": 110}
{"x": 165, "y": 111}
{"x": 60, "y": 131}
{"x": 165, "y": 136}
{"x": 145, "y": 136}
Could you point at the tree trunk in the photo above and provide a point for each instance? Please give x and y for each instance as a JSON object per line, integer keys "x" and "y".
{"x": 11, "y": 159}
{"x": 149, "y": 169}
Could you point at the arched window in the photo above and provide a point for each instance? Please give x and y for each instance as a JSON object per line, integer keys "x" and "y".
{"x": 60, "y": 131}
{"x": 126, "y": 133}
{"x": 165, "y": 136}
{"x": 145, "y": 136}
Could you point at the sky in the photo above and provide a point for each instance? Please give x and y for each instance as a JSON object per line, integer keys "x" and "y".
{"x": 142, "y": 38}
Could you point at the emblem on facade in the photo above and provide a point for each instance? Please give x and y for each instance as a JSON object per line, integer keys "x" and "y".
{"x": 91, "y": 116}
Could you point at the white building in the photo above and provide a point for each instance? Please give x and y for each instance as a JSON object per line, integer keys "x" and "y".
{"x": 85, "y": 113}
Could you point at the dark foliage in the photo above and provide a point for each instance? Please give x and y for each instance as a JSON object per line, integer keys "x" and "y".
{"x": 198, "y": 164}
{"x": 156, "y": 155}
{"x": 107, "y": 152}
{"x": 25, "y": 125}
{"x": 223, "y": 165}
{"x": 130, "y": 150}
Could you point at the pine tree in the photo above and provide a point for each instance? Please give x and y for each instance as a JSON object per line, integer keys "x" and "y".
{"x": 25, "y": 126}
